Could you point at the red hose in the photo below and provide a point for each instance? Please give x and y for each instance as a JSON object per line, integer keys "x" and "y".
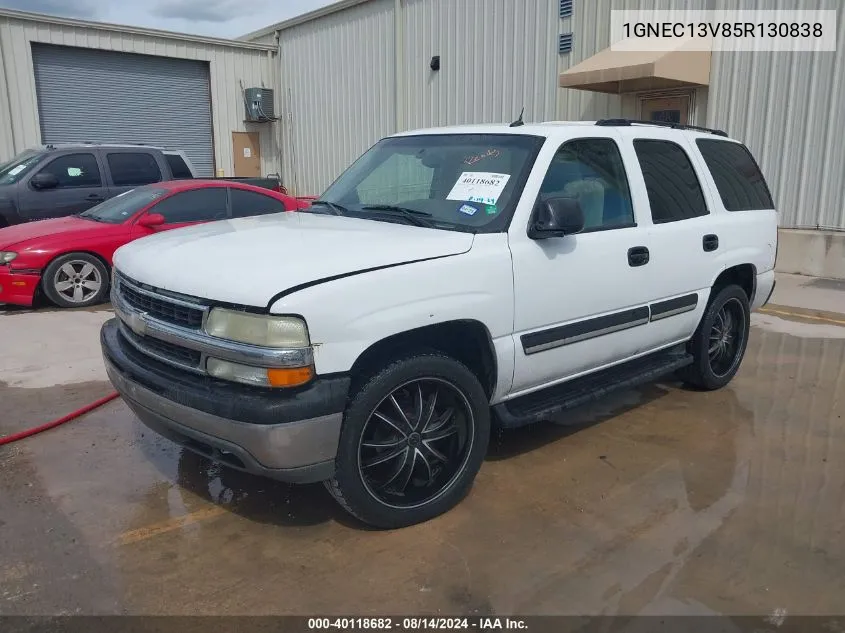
{"x": 70, "y": 416}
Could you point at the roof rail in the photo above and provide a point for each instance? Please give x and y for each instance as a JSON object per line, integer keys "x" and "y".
{"x": 674, "y": 126}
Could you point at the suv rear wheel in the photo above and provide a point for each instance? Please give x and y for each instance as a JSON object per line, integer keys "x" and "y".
{"x": 412, "y": 442}
{"x": 719, "y": 342}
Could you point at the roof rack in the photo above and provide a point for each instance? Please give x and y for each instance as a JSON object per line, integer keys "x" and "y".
{"x": 674, "y": 126}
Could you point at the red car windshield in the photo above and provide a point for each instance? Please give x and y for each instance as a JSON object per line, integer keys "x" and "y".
{"x": 122, "y": 207}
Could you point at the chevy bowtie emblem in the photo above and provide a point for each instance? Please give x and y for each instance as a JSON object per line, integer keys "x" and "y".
{"x": 138, "y": 323}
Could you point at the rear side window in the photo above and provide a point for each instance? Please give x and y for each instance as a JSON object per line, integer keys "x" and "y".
{"x": 133, "y": 169}
{"x": 738, "y": 179}
{"x": 247, "y": 203}
{"x": 674, "y": 192}
{"x": 178, "y": 167}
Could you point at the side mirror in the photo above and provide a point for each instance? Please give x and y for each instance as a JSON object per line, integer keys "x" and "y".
{"x": 44, "y": 180}
{"x": 556, "y": 217}
{"x": 151, "y": 219}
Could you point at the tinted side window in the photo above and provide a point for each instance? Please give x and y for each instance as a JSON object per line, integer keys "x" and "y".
{"x": 246, "y": 203}
{"x": 674, "y": 192}
{"x": 193, "y": 206}
{"x": 75, "y": 170}
{"x": 132, "y": 169}
{"x": 738, "y": 179}
{"x": 178, "y": 167}
{"x": 591, "y": 170}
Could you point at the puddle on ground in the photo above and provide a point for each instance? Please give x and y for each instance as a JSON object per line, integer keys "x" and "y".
{"x": 664, "y": 501}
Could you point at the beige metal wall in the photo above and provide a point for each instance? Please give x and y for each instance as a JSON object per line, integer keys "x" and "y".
{"x": 341, "y": 92}
{"x": 337, "y": 75}
{"x": 497, "y": 56}
{"x": 340, "y": 87}
{"x": 788, "y": 108}
{"x": 231, "y": 63}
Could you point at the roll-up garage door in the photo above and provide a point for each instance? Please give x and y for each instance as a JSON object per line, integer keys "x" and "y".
{"x": 109, "y": 97}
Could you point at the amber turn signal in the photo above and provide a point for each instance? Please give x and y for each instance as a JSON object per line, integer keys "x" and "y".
{"x": 289, "y": 377}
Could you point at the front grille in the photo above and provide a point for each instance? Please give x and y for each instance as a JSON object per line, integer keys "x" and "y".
{"x": 161, "y": 308}
{"x": 164, "y": 350}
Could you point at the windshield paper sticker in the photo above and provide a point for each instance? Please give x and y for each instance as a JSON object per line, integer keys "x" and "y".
{"x": 468, "y": 209}
{"x": 479, "y": 186}
{"x": 14, "y": 171}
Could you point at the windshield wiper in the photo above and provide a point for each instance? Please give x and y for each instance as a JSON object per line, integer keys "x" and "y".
{"x": 417, "y": 218}
{"x": 336, "y": 209}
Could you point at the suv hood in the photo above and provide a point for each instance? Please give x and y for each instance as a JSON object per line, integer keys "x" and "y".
{"x": 250, "y": 260}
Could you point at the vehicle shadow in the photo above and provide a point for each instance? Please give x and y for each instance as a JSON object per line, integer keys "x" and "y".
{"x": 508, "y": 443}
{"x": 42, "y": 305}
{"x": 287, "y": 505}
{"x": 258, "y": 498}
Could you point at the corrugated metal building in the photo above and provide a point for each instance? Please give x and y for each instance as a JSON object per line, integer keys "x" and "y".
{"x": 64, "y": 80}
{"x": 357, "y": 70}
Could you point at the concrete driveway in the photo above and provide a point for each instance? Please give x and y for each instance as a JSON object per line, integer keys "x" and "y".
{"x": 663, "y": 501}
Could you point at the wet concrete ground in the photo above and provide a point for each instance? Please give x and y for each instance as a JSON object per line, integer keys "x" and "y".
{"x": 664, "y": 501}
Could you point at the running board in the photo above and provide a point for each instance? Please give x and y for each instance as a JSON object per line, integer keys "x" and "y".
{"x": 540, "y": 405}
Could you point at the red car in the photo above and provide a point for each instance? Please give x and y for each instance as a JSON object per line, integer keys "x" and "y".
{"x": 68, "y": 259}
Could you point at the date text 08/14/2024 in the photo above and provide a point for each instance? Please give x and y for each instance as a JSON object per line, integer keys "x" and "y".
{"x": 415, "y": 624}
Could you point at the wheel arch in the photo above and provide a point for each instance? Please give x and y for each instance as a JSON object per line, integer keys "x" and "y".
{"x": 742, "y": 275}
{"x": 466, "y": 340}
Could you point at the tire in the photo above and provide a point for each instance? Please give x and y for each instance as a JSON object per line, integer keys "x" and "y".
{"x": 711, "y": 369}
{"x": 76, "y": 280}
{"x": 402, "y": 457}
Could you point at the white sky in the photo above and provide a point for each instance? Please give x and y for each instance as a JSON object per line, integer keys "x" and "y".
{"x": 219, "y": 18}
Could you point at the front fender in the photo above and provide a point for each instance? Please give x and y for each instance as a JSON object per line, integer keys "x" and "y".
{"x": 9, "y": 215}
{"x": 346, "y": 316}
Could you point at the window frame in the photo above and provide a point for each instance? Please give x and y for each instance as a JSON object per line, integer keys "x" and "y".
{"x": 695, "y": 173}
{"x": 109, "y": 153}
{"x": 100, "y": 185}
{"x": 174, "y": 194}
{"x": 712, "y": 177}
{"x": 173, "y": 156}
{"x": 595, "y": 229}
{"x": 230, "y": 198}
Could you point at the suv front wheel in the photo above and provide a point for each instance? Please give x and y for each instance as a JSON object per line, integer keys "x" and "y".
{"x": 412, "y": 441}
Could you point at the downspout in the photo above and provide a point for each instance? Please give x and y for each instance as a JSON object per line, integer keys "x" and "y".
{"x": 8, "y": 91}
{"x": 281, "y": 112}
{"x": 398, "y": 67}
{"x": 277, "y": 106}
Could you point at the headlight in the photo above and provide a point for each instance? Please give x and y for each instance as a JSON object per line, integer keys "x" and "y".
{"x": 257, "y": 329}
{"x": 7, "y": 256}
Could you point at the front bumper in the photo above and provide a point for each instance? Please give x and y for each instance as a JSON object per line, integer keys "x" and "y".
{"x": 289, "y": 436}
{"x": 18, "y": 288}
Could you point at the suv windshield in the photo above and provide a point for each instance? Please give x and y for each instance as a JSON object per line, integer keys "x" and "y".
{"x": 462, "y": 182}
{"x": 122, "y": 207}
{"x": 17, "y": 168}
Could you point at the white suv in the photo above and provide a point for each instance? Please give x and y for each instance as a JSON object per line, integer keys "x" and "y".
{"x": 451, "y": 280}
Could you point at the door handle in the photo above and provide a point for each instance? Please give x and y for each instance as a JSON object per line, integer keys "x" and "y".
{"x": 710, "y": 243}
{"x": 638, "y": 256}
{"x": 95, "y": 197}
